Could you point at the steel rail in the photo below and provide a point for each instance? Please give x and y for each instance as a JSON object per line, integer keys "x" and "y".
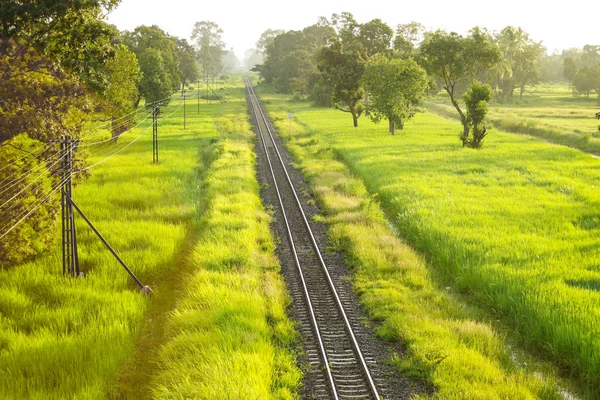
{"x": 294, "y": 253}
{"x": 334, "y": 292}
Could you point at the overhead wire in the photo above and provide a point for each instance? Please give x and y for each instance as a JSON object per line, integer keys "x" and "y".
{"x": 57, "y": 186}
{"x": 32, "y": 182}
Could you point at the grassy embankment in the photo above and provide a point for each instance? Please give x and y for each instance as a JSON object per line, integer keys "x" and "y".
{"x": 76, "y": 338}
{"x": 229, "y": 336}
{"x": 549, "y": 112}
{"x": 512, "y": 227}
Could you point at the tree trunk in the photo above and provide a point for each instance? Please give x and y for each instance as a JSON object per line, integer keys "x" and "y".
{"x": 137, "y": 101}
{"x": 355, "y": 119}
{"x": 521, "y": 93}
{"x": 391, "y": 126}
{"x": 463, "y": 120}
{"x": 366, "y": 103}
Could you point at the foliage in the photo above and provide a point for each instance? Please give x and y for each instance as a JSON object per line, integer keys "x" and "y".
{"x": 266, "y": 39}
{"x": 46, "y": 26}
{"x": 122, "y": 93}
{"x": 476, "y": 99}
{"x": 186, "y": 59}
{"x": 455, "y": 60}
{"x": 290, "y": 62}
{"x": 394, "y": 87}
{"x": 156, "y": 81}
{"x": 586, "y": 80}
{"x": 569, "y": 69}
{"x": 343, "y": 70}
{"x": 27, "y": 239}
{"x": 207, "y": 38}
{"x": 375, "y": 36}
{"x": 520, "y": 55}
{"x": 39, "y": 98}
{"x": 163, "y": 49}
{"x": 408, "y": 37}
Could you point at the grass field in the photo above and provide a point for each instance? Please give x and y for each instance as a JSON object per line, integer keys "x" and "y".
{"x": 97, "y": 337}
{"x": 550, "y": 112}
{"x": 229, "y": 336}
{"x": 512, "y": 228}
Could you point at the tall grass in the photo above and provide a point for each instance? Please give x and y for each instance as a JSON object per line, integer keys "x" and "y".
{"x": 513, "y": 227}
{"x": 229, "y": 336}
{"x": 65, "y": 338}
{"x": 549, "y": 112}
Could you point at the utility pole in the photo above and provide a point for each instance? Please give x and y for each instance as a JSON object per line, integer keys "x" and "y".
{"x": 69, "y": 236}
{"x": 155, "y": 112}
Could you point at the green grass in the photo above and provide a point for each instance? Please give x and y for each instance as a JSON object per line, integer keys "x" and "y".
{"x": 513, "y": 228}
{"x": 549, "y": 112}
{"x": 97, "y": 337}
{"x": 229, "y": 336}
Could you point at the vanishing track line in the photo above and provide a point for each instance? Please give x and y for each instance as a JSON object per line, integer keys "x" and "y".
{"x": 340, "y": 368}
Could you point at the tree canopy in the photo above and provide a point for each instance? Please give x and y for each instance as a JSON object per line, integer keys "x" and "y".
{"x": 395, "y": 86}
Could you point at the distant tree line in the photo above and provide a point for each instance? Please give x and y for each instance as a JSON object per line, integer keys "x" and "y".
{"x": 370, "y": 68}
{"x": 62, "y": 67}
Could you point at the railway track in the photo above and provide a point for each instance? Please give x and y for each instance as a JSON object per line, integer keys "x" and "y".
{"x": 340, "y": 369}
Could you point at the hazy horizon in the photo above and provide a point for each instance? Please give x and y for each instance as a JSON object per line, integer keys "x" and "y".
{"x": 243, "y": 23}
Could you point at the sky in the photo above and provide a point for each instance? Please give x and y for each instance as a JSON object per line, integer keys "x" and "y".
{"x": 559, "y": 25}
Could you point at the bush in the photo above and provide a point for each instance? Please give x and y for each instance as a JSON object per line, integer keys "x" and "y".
{"x": 35, "y": 233}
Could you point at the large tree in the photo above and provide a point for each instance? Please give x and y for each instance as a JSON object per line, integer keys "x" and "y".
{"x": 520, "y": 54}
{"x": 207, "y": 39}
{"x": 51, "y": 54}
{"x": 343, "y": 70}
{"x": 408, "y": 37}
{"x": 266, "y": 39}
{"x": 122, "y": 91}
{"x": 375, "y": 36}
{"x": 395, "y": 86}
{"x": 151, "y": 44}
{"x": 457, "y": 61}
{"x": 186, "y": 58}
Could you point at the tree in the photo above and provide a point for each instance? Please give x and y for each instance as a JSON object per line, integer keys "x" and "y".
{"x": 290, "y": 62}
{"x": 408, "y": 36}
{"x": 395, "y": 86}
{"x": 36, "y": 233}
{"x": 266, "y": 39}
{"x": 164, "y": 50}
{"x": 156, "y": 82}
{"x": 47, "y": 25}
{"x": 186, "y": 58}
{"x": 39, "y": 98}
{"x": 476, "y": 99}
{"x": 343, "y": 70}
{"x": 375, "y": 36}
{"x": 586, "y": 80}
{"x": 455, "y": 60}
{"x": 207, "y": 38}
{"x": 521, "y": 56}
{"x": 122, "y": 91}
{"x": 569, "y": 69}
